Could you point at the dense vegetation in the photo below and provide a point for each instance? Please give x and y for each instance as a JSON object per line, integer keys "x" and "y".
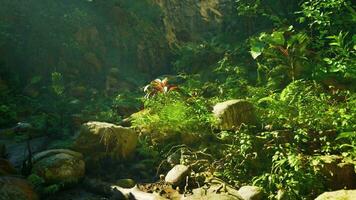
{"x": 294, "y": 60}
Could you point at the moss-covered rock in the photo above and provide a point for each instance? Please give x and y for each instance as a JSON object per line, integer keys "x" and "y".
{"x": 126, "y": 183}
{"x": 232, "y": 114}
{"x": 338, "y": 195}
{"x": 100, "y": 139}
{"x": 59, "y": 166}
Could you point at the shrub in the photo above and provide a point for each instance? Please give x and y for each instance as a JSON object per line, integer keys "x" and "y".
{"x": 282, "y": 56}
{"x": 290, "y": 176}
{"x": 304, "y": 105}
{"x": 169, "y": 114}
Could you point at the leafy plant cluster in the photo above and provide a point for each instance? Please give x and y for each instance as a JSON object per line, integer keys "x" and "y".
{"x": 168, "y": 114}
{"x": 306, "y": 105}
{"x": 284, "y": 56}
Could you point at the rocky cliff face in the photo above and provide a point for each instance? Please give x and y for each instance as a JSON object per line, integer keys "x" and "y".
{"x": 104, "y": 42}
{"x": 192, "y": 20}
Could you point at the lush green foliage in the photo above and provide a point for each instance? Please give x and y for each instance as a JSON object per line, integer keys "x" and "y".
{"x": 284, "y": 56}
{"x": 171, "y": 113}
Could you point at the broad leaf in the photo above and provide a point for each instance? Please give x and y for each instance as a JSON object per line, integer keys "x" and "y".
{"x": 277, "y": 37}
{"x": 257, "y": 48}
{"x": 348, "y": 135}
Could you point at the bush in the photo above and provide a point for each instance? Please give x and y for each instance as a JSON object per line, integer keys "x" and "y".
{"x": 290, "y": 177}
{"x": 304, "y": 105}
{"x": 170, "y": 113}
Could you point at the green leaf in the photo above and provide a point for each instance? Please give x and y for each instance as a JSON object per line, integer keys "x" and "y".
{"x": 347, "y": 146}
{"x": 255, "y": 54}
{"x": 334, "y": 44}
{"x": 302, "y": 19}
{"x": 257, "y": 48}
{"x": 278, "y": 38}
{"x": 328, "y": 60}
{"x": 350, "y": 135}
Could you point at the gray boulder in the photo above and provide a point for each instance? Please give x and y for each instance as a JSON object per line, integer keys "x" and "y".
{"x": 232, "y": 114}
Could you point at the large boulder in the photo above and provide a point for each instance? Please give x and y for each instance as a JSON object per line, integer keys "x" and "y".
{"x": 339, "y": 173}
{"x": 16, "y": 188}
{"x": 338, "y": 195}
{"x": 59, "y": 166}
{"x": 251, "y": 193}
{"x": 99, "y": 139}
{"x": 233, "y": 113}
{"x": 177, "y": 174}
